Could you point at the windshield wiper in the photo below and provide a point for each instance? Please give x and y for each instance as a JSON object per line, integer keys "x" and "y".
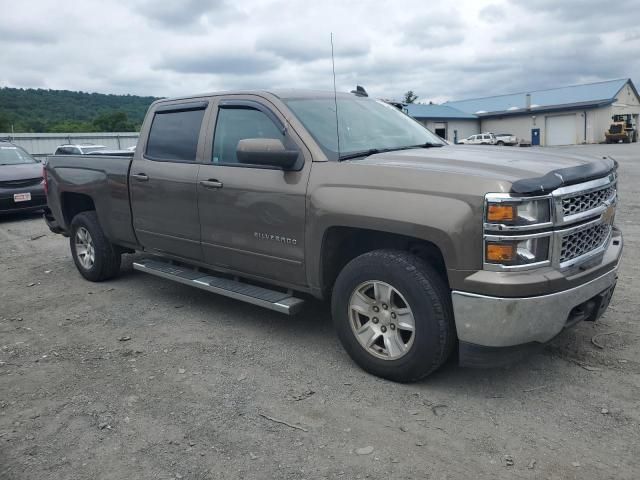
{"x": 426, "y": 145}
{"x": 364, "y": 153}
{"x": 372, "y": 151}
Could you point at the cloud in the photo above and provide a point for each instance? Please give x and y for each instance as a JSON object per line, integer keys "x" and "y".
{"x": 492, "y": 13}
{"x": 304, "y": 49}
{"x": 447, "y": 50}
{"x": 435, "y": 30}
{"x": 12, "y": 33}
{"x": 212, "y": 63}
{"x": 179, "y": 14}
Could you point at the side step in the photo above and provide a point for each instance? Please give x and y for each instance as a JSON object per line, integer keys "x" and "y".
{"x": 263, "y": 297}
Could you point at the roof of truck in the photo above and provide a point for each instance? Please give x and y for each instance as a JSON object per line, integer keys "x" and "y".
{"x": 284, "y": 94}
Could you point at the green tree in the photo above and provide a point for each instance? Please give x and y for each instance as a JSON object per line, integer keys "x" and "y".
{"x": 71, "y": 126}
{"x": 39, "y": 110}
{"x": 410, "y": 97}
{"x": 113, "y": 122}
{"x": 5, "y": 123}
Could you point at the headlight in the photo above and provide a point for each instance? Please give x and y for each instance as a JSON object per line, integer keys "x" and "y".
{"x": 505, "y": 211}
{"x": 517, "y": 251}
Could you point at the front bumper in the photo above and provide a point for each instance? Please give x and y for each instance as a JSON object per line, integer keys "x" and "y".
{"x": 505, "y": 322}
{"x": 495, "y": 330}
{"x": 37, "y": 202}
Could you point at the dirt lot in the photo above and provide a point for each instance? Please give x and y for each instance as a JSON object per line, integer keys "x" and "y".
{"x": 195, "y": 392}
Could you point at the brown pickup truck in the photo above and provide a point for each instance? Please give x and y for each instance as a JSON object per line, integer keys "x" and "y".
{"x": 421, "y": 247}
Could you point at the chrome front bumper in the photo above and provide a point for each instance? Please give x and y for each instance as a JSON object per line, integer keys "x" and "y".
{"x": 505, "y": 322}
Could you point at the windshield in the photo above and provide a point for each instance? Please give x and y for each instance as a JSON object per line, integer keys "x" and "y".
{"x": 92, "y": 149}
{"x": 364, "y": 124}
{"x": 11, "y": 155}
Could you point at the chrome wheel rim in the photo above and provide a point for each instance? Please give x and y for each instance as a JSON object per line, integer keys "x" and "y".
{"x": 85, "y": 250}
{"x": 381, "y": 320}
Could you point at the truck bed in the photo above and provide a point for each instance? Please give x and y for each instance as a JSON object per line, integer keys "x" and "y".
{"x": 75, "y": 180}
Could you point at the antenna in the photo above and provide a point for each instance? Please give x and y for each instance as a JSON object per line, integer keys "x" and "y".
{"x": 335, "y": 95}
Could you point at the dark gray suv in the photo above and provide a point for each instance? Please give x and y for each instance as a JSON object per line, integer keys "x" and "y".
{"x": 21, "y": 181}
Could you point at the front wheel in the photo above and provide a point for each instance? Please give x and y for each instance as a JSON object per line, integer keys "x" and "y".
{"x": 96, "y": 258}
{"x": 392, "y": 312}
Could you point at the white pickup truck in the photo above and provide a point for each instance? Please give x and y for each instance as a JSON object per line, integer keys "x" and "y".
{"x": 505, "y": 139}
{"x": 479, "y": 139}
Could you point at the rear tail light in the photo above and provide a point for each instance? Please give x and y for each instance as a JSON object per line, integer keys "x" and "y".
{"x": 45, "y": 182}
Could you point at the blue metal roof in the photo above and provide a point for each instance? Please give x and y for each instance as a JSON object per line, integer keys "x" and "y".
{"x": 418, "y": 110}
{"x": 591, "y": 94}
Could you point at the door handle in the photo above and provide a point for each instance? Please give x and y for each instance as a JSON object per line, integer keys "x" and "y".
{"x": 141, "y": 177}
{"x": 211, "y": 183}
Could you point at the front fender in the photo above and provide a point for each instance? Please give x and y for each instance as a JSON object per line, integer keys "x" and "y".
{"x": 450, "y": 223}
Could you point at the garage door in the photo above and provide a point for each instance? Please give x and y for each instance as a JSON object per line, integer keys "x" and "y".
{"x": 561, "y": 130}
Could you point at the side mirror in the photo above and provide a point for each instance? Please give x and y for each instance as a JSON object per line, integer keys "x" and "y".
{"x": 266, "y": 151}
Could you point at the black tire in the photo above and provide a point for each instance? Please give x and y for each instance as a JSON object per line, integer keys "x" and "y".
{"x": 500, "y": 143}
{"x": 107, "y": 256}
{"x": 426, "y": 294}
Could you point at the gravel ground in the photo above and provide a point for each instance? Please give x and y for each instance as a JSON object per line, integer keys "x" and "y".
{"x": 143, "y": 378}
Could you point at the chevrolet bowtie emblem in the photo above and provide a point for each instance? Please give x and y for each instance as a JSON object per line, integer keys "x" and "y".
{"x": 608, "y": 214}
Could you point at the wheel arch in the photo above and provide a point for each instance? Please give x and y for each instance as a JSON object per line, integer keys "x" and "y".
{"x": 341, "y": 244}
{"x": 72, "y": 203}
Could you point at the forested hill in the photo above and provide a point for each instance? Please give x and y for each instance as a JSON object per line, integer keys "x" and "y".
{"x": 31, "y": 110}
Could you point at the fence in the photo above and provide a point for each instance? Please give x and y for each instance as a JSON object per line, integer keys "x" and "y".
{"x": 43, "y": 144}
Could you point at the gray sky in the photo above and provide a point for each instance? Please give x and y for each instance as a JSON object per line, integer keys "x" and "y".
{"x": 440, "y": 49}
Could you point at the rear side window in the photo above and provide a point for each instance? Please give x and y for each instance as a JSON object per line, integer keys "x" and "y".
{"x": 235, "y": 124}
{"x": 174, "y": 135}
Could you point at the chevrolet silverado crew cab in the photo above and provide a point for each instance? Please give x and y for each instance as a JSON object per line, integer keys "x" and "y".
{"x": 421, "y": 247}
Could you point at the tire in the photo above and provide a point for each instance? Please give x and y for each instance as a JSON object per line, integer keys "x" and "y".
{"x": 415, "y": 285}
{"x": 106, "y": 257}
{"x": 500, "y": 143}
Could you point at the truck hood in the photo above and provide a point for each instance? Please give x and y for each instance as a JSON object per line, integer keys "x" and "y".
{"x": 530, "y": 171}
{"x": 23, "y": 171}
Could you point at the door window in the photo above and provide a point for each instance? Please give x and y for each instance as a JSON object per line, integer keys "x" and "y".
{"x": 174, "y": 135}
{"x": 237, "y": 123}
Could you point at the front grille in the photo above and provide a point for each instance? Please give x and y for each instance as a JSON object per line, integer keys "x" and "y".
{"x": 583, "y": 202}
{"x": 25, "y": 182}
{"x": 583, "y": 241}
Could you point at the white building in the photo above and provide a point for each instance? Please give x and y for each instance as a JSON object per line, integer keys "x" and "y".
{"x": 450, "y": 123}
{"x": 558, "y": 116}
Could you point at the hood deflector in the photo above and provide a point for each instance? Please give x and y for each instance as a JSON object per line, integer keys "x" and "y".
{"x": 564, "y": 176}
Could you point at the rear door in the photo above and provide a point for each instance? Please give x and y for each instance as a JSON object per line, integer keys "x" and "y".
{"x": 163, "y": 180}
{"x": 252, "y": 217}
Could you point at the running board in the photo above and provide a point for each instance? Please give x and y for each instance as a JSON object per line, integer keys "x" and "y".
{"x": 279, "y": 301}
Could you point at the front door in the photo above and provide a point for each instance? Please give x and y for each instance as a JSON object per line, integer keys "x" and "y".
{"x": 535, "y": 136}
{"x": 163, "y": 182}
{"x": 252, "y": 217}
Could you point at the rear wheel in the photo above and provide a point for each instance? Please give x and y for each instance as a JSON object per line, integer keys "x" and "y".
{"x": 501, "y": 143}
{"x": 96, "y": 258}
{"x": 392, "y": 313}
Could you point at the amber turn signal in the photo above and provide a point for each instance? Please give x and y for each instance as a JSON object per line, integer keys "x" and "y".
{"x": 501, "y": 252}
{"x": 501, "y": 213}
